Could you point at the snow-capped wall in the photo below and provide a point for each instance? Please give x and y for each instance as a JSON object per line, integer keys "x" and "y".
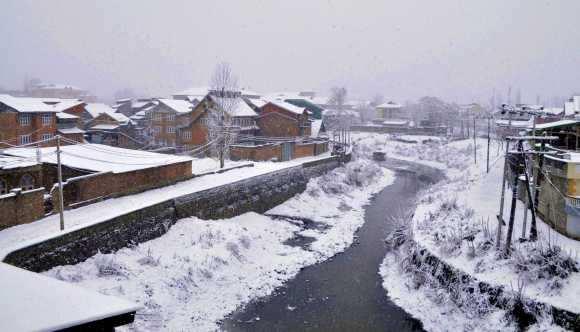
{"x": 258, "y": 194}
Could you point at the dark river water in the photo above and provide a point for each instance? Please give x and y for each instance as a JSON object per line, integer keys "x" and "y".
{"x": 344, "y": 293}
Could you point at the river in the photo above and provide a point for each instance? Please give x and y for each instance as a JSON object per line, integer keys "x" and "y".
{"x": 344, "y": 293}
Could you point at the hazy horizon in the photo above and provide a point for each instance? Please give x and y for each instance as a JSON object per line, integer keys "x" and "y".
{"x": 452, "y": 49}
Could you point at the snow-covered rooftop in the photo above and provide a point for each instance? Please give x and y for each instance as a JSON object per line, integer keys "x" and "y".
{"x": 390, "y": 104}
{"x": 65, "y": 104}
{"x": 11, "y": 162}
{"x": 234, "y": 106}
{"x": 196, "y": 91}
{"x": 26, "y": 105}
{"x": 179, "y": 106}
{"x": 556, "y": 124}
{"x": 101, "y": 158}
{"x": 73, "y": 130}
{"x": 63, "y": 115}
{"x": 316, "y": 125}
{"x": 33, "y": 302}
{"x": 287, "y": 106}
{"x": 94, "y": 109}
{"x": 257, "y": 102}
{"x": 105, "y": 126}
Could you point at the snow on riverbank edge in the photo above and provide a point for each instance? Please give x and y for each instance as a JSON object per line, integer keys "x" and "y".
{"x": 200, "y": 271}
{"x": 427, "y": 302}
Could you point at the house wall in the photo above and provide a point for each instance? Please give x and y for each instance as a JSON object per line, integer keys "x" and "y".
{"x": 277, "y": 122}
{"x": 21, "y": 207}
{"x": 90, "y": 187}
{"x": 12, "y": 177}
{"x": 303, "y": 150}
{"x": 552, "y": 206}
{"x": 10, "y": 128}
{"x": 256, "y": 153}
{"x": 161, "y": 120}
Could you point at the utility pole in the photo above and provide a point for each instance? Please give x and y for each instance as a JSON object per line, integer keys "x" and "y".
{"x": 60, "y": 195}
{"x": 510, "y": 230}
{"x": 488, "y": 142}
{"x": 533, "y": 227}
{"x": 501, "y": 202}
{"x": 474, "y": 142}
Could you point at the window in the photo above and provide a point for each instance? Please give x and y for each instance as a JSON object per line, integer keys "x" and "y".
{"x": 24, "y": 139}
{"x": 25, "y": 119}
{"x": 186, "y": 134}
{"x": 27, "y": 182}
{"x": 157, "y": 116}
{"x": 157, "y": 130}
{"x": 3, "y": 187}
{"x": 171, "y": 130}
{"x": 46, "y": 137}
{"x": 171, "y": 117}
{"x": 46, "y": 119}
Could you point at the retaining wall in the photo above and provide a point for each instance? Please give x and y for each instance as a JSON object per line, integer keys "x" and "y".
{"x": 258, "y": 194}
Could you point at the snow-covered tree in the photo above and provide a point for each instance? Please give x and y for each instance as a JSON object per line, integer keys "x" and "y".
{"x": 224, "y": 86}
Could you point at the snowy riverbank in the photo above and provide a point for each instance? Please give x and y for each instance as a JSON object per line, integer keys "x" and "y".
{"x": 200, "y": 271}
{"x": 464, "y": 205}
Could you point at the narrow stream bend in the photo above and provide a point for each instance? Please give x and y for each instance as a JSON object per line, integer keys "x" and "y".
{"x": 344, "y": 293}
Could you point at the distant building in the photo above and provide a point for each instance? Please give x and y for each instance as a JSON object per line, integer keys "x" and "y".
{"x": 63, "y": 91}
{"x": 165, "y": 118}
{"x": 26, "y": 120}
{"x": 391, "y": 111}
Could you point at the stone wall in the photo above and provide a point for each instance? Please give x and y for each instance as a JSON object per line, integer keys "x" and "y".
{"x": 21, "y": 207}
{"x": 259, "y": 194}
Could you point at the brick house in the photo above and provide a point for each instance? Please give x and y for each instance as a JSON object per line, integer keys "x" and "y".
{"x": 281, "y": 119}
{"x": 26, "y": 120}
{"x": 236, "y": 112}
{"x": 94, "y": 171}
{"x": 164, "y": 119}
{"x": 68, "y": 127}
{"x": 112, "y": 129}
{"x": 21, "y": 192}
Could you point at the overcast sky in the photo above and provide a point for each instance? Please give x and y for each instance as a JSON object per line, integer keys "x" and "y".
{"x": 455, "y": 49}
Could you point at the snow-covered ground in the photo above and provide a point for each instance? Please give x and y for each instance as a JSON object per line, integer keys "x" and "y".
{"x": 22, "y": 235}
{"x": 200, "y": 271}
{"x": 466, "y": 204}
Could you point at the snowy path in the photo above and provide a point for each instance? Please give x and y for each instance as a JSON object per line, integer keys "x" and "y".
{"x": 20, "y": 236}
{"x": 345, "y": 292}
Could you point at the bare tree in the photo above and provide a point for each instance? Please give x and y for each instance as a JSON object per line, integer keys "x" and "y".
{"x": 337, "y": 97}
{"x": 377, "y": 100}
{"x": 220, "y": 133}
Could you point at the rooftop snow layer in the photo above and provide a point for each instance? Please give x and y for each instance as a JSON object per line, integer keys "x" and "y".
{"x": 26, "y": 105}
{"x": 101, "y": 158}
{"x": 234, "y": 106}
{"x": 390, "y": 104}
{"x": 179, "y": 106}
{"x": 287, "y": 106}
{"x": 10, "y": 162}
{"x": 556, "y": 124}
{"x": 94, "y": 109}
{"x": 33, "y": 302}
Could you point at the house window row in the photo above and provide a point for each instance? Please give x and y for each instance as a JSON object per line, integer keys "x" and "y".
{"x": 25, "y": 119}
{"x": 46, "y": 137}
{"x": 171, "y": 130}
{"x": 24, "y": 139}
{"x": 26, "y": 183}
{"x": 46, "y": 119}
{"x": 186, "y": 134}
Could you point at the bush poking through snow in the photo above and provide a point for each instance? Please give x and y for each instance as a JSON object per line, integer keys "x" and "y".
{"x": 149, "y": 259}
{"x": 108, "y": 266}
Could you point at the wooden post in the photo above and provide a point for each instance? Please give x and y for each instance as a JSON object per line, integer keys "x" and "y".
{"x": 530, "y": 202}
{"x": 474, "y": 143}
{"x": 59, "y": 174}
{"x": 539, "y": 175}
{"x": 510, "y": 230}
{"x": 500, "y": 221}
{"x": 488, "y": 142}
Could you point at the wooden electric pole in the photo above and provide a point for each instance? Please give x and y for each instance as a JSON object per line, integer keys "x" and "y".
{"x": 488, "y": 142}
{"x": 60, "y": 195}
